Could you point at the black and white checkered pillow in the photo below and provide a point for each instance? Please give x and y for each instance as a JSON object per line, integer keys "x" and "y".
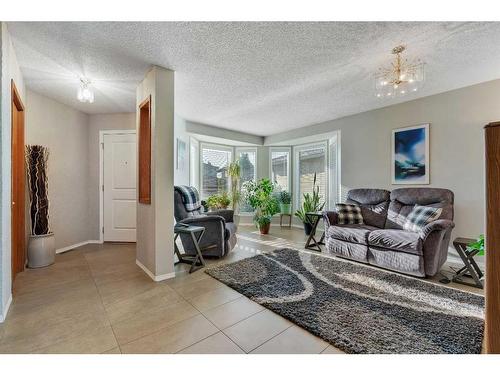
{"x": 348, "y": 214}
{"x": 420, "y": 216}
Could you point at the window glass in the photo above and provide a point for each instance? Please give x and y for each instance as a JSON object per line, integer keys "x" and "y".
{"x": 312, "y": 160}
{"x": 248, "y": 160}
{"x": 279, "y": 169}
{"x": 214, "y": 177}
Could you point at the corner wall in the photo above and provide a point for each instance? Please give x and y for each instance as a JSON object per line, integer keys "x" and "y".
{"x": 65, "y": 132}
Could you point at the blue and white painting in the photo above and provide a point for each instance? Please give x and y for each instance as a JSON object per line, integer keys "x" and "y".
{"x": 410, "y": 155}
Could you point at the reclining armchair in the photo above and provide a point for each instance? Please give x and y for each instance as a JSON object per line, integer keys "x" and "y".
{"x": 220, "y": 230}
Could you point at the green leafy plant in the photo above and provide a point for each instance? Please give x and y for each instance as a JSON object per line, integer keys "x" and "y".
{"x": 259, "y": 195}
{"x": 285, "y": 197}
{"x": 312, "y": 203}
{"x": 234, "y": 172}
{"x": 218, "y": 201}
{"x": 478, "y": 245}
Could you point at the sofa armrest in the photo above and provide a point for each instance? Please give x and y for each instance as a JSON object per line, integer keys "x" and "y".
{"x": 436, "y": 225}
{"x": 226, "y": 214}
{"x": 330, "y": 218}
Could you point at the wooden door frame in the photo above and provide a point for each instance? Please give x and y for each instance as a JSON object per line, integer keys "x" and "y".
{"x": 492, "y": 274}
{"x": 16, "y": 105}
{"x": 102, "y": 133}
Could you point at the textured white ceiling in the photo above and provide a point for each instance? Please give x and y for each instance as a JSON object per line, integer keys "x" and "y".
{"x": 256, "y": 77}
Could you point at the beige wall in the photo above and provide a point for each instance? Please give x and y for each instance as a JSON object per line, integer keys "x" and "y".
{"x": 9, "y": 71}
{"x": 456, "y": 146}
{"x": 73, "y": 163}
{"x": 65, "y": 132}
{"x": 114, "y": 121}
{"x": 156, "y": 220}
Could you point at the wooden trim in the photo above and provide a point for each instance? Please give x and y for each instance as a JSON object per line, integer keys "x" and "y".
{"x": 18, "y": 176}
{"x": 144, "y": 141}
{"x": 492, "y": 124}
{"x": 16, "y": 98}
{"x": 492, "y": 284}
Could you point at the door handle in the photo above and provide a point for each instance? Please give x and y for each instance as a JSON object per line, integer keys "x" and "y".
{"x": 13, "y": 203}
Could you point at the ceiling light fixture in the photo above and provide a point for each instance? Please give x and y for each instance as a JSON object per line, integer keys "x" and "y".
{"x": 401, "y": 77}
{"x": 85, "y": 94}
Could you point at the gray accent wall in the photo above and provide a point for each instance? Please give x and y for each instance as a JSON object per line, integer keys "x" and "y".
{"x": 456, "y": 146}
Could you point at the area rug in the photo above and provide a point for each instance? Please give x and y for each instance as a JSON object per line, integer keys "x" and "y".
{"x": 357, "y": 308}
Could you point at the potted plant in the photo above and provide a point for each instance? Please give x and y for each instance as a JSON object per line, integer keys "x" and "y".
{"x": 234, "y": 172}
{"x": 312, "y": 203}
{"x": 41, "y": 245}
{"x": 478, "y": 245}
{"x": 218, "y": 201}
{"x": 285, "y": 199}
{"x": 259, "y": 195}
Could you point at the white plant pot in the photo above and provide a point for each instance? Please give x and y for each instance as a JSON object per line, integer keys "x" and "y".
{"x": 41, "y": 250}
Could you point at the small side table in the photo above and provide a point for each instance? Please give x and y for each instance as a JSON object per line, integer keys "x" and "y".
{"x": 289, "y": 222}
{"x": 312, "y": 243}
{"x": 196, "y": 233}
{"x": 470, "y": 268}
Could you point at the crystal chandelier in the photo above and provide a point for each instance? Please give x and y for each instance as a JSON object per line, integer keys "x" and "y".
{"x": 85, "y": 94}
{"x": 402, "y": 77}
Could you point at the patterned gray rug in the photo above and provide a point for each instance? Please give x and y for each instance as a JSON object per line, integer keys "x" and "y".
{"x": 359, "y": 309}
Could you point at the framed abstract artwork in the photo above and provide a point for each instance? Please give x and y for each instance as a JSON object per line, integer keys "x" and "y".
{"x": 410, "y": 155}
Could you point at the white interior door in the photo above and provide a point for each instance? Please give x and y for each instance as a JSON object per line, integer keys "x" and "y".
{"x": 119, "y": 178}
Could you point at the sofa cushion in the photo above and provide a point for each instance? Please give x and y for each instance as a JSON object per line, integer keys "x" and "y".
{"x": 395, "y": 239}
{"x": 404, "y": 199}
{"x": 355, "y": 233}
{"x": 373, "y": 203}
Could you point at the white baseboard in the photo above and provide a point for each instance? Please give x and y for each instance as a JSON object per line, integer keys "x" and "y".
{"x": 3, "y": 315}
{"x": 152, "y": 276}
{"x": 74, "y": 246}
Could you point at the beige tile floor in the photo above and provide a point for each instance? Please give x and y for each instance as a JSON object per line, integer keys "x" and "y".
{"x": 95, "y": 299}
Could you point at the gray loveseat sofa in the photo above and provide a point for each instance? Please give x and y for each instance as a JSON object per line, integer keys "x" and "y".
{"x": 220, "y": 230}
{"x": 381, "y": 240}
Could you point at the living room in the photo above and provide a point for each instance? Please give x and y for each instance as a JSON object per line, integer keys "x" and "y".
{"x": 249, "y": 187}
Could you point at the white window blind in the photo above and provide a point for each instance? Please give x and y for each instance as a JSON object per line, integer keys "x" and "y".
{"x": 214, "y": 167}
{"x": 280, "y": 168}
{"x": 311, "y": 160}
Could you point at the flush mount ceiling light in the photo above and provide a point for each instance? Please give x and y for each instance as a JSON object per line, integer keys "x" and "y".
{"x": 85, "y": 93}
{"x": 402, "y": 77}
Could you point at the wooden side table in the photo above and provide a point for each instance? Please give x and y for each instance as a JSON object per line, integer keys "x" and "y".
{"x": 470, "y": 268}
{"x": 289, "y": 221}
{"x": 312, "y": 243}
{"x": 195, "y": 233}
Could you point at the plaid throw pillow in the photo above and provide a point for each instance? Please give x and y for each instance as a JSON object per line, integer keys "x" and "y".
{"x": 420, "y": 216}
{"x": 349, "y": 214}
